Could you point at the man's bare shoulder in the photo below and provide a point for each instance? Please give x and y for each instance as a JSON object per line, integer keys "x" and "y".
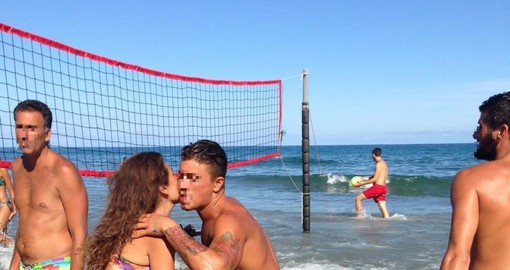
{"x": 482, "y": 177}
{"x": 234, "y": 216}
{"x": 61, "y": 166}
{"x": 478, "y": 172}
{"x": 232, "y": 210}
{"x": 258, "y": 252}
{"x": 57, "y": 160}
{"x": 467, "y": 178}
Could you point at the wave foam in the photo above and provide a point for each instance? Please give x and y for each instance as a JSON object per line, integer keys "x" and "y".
{"x": 334, "y": 179}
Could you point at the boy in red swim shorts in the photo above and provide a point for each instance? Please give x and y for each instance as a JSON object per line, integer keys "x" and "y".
{"x": 378, "y": 190}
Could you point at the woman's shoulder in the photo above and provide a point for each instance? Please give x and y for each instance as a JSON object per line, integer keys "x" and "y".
{"x": 145, "y": 245}
{"x": 158, "y": 244}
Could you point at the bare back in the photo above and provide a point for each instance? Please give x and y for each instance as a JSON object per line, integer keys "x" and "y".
{"x": 52, "y": 205}
{"x": 147, "y": 252}
{"x": 492, "y": 238}
{"x": 257, "y": 250}
{"x": 480, "y": 199}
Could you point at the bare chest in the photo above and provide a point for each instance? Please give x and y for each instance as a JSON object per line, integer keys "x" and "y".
{"x": 37, "y": 191}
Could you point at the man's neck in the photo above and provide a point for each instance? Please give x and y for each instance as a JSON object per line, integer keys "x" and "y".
{"x": 213, "y": 209}
{"x": 503, "y": 154}
{"x": 503, "y": 148}
{"x": 30, "y": 160}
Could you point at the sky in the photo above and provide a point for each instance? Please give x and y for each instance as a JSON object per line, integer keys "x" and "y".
{"x": 380, "y": 72}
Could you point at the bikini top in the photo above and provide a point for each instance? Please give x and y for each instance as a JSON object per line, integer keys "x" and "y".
{"x": 122, "y": 264}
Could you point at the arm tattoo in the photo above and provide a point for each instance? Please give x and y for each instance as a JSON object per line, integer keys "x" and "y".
{"x": 228, "y": 246}
{"x": 183, "y": 241}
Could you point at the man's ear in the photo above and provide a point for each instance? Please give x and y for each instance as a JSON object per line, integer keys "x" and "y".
{"x": 218, "y": 183}
{"x": 47, "y": 136}
{"x": 503, "y": 131}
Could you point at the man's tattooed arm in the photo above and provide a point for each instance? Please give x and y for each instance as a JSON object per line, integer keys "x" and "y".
{"x": 225, "y": 251}
{"x": 229, "y": 247}
{"x": 183, "y": 241}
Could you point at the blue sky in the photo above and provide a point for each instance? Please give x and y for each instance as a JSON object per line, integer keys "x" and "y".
{"x": 381, "y": 72}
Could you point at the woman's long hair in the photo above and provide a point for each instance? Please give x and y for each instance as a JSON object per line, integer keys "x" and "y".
{"x": 133, "y": 191}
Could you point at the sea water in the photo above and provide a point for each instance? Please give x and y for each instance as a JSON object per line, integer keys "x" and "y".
{"x": 414, "y": 237}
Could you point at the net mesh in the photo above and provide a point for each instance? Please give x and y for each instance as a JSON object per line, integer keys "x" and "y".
{"x": 105, "y": 110}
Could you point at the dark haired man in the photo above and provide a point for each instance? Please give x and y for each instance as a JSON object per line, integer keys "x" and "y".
{"x": 231, "y": 237}
{"x": 480, "y": 196}
{"x": 49, "y": 194}
{"x": 378, "y": 190}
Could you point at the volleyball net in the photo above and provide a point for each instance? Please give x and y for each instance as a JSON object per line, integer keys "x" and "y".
{"x": 106, "y": 110}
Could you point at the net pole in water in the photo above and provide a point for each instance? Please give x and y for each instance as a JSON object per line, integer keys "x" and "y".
{"x": 306, "y": 154}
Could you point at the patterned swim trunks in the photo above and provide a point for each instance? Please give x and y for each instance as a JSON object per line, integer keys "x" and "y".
{"x": 63, "y": 263}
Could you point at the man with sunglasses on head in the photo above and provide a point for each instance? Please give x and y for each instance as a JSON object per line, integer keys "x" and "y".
{"x": 50, "y": 197}
{"x": 231, "y": 237}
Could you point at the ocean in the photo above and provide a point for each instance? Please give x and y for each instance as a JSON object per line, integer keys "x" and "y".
{"x": 414, "y": 237}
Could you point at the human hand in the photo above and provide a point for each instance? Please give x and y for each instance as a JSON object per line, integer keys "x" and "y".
{"x": 151, "y": 224}
{"x": 5, "y": 240}
{"x": 14, "y": 212}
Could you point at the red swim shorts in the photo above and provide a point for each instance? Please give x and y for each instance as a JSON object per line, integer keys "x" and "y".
{"x": 377, "y": 192}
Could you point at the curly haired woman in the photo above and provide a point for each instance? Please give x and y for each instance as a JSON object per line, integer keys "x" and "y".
{"x": 143, "y": 184}
{"x": 7, "y": 208}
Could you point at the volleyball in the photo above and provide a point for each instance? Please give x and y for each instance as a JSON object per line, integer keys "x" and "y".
{"x": 356, "y": 181}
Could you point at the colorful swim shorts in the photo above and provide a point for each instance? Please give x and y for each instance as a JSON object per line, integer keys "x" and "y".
{"x": 377, "y": 192}
{"x": 63, "y": 263}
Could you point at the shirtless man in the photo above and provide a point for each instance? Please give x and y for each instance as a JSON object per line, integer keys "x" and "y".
{"x": 231, "y": 237}
{"x": 49, "y": 194}
{"x": 378, "y": 190}
{"x": 480, "y": 228}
